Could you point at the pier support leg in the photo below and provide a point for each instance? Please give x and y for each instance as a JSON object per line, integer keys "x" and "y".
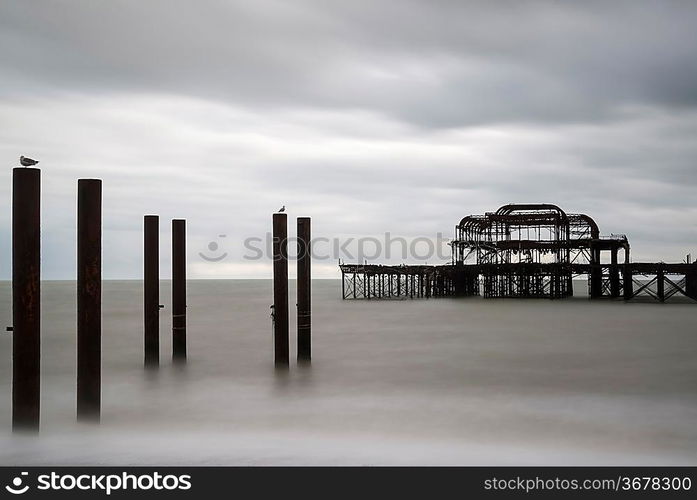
{"x": 661, "y": 286}
{"x": 178, "y": 290}
{"x": 89, "y": 299}
{"x": 459, "y": 280}
{"x": 627, "y": 283}
{"x": 691, "y": 284}
{"x": 280, "y": 289}
{"x": 614, "y": 274}
{"x": 569, "y": 285}
{"x": 26, "y": 305}
{"x": 596, "y": 274}
{"x": 304, "y": 291}
{"x": 151, "y": 291}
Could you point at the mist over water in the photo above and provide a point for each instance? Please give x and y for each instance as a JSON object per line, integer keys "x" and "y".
{"x": 437, "y": 381}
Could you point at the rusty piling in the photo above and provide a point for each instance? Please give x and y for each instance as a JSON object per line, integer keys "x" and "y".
{"x": 89, "y": 298}
{"x": 151, "y": 291}
{"x": 179, "y": 290}
{"x": 596, "y": 273}
{"x": 280, "y": 289}
{"x": 304, "y": 285}
{"x": 691, "y": 284}
{"x": 661, "y": 285}
{"x": 614, "y": 273}
{"x": 627, "y": 282}
{"x": 26, "y": 295}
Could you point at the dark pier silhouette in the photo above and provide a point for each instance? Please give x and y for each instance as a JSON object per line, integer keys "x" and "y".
{"x": 526, "y": 251}
{"x": 179, "y": 290}
{"x": 280, "y": 290}
{"x": 151, "y": 291}
{"x": 26, "y": 299}
{"x": 89, "y": 298}
{"x": 304, "y": 285}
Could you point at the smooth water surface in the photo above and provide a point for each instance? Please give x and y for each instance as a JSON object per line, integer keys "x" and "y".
{"x": 438, "y": 381}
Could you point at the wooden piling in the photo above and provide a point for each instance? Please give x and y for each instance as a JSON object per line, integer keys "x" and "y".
{"x": 280, "y": 289}
{"x": 26, "y": 295}
{"x": 151, "y": 291}
{"x": 304, "y": 285}
{"x": 178, "y": 290}
{"x": 89, "y": 299}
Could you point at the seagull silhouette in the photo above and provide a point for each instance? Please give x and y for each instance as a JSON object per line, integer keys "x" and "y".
{"x": 27, "y": 162}
{"x": 282, "y": 209}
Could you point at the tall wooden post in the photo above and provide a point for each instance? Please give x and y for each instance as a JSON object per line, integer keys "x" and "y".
{"x": 304, "y": 290}
{"x": 151, "y": 291}
{"x": 26, "y": 298}
{"x": 89, "y": 298}
{"x": 280, "y": 289}
{"x": 179, "y": 290}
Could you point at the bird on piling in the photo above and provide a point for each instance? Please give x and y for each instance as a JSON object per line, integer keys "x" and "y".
{"x": 27, "y": 162}
{"x": 282, "y": 209}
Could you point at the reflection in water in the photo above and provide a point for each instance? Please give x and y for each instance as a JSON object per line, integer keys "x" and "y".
{"x": 451, "y": 381}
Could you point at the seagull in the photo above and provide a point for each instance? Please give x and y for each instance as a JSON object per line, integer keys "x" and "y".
{"x": 27, "y": 162}
{"x": 282, "y": 209}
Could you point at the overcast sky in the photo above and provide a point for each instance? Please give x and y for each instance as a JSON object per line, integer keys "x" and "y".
{"x": 369, "y": 116}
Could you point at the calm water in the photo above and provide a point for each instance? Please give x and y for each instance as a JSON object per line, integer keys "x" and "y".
{"x": 440, "y": 381}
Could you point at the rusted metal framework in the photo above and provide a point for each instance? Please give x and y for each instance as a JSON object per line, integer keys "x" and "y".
{"x": 526, "y": 250}
{"x": 660, "y": 281}
{"x": 403, "y": 282}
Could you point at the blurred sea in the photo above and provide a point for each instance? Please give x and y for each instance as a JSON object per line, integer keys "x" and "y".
{"x": 437, "y": 381}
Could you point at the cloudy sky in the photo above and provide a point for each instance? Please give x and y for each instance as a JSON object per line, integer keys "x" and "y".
{"x": 370, "y": 116}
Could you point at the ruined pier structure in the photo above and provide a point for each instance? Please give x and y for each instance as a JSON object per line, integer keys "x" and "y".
{"x": 526, "y": 251}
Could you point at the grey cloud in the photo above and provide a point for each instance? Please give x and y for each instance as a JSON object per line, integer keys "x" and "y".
{"x": 397, "y": 116}
{"x": 435, "y": 64}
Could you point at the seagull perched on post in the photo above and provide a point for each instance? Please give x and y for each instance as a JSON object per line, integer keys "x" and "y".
{"x": 282, "y": 209}
{"x": 27, "y": 162}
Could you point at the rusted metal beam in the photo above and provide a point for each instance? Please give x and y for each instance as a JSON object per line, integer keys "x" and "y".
{"x": 178, "y": 290}
{"x": 89, "y": 299}
{"x": 26, "y": 299}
